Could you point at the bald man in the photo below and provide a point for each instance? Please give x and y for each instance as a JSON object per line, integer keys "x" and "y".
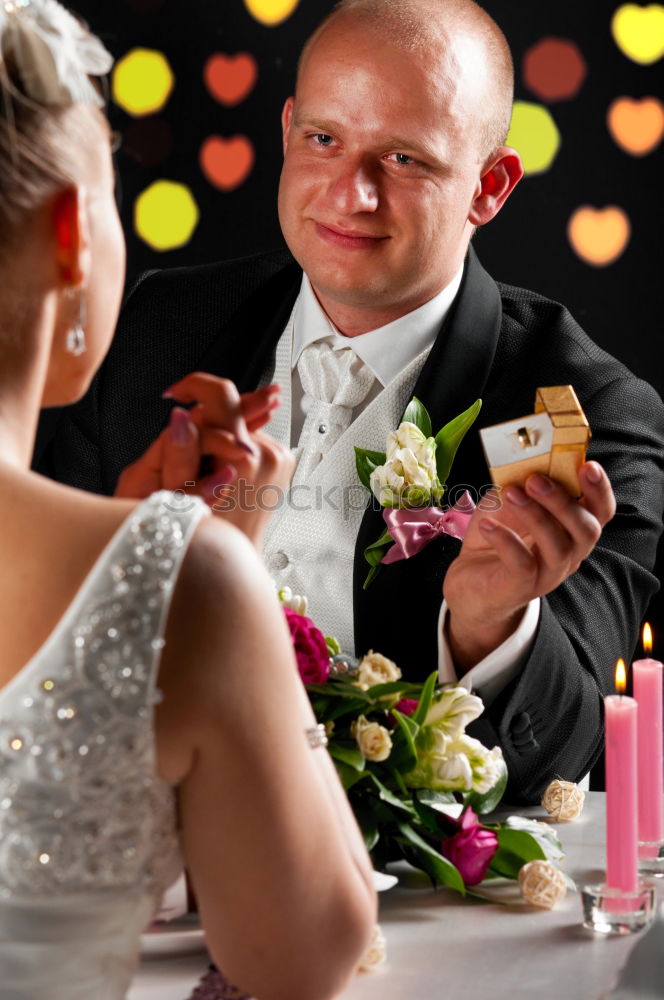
{"x": 393, "y": 154}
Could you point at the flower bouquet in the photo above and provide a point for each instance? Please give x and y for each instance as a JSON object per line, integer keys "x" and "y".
{"x": 417, "y": 783}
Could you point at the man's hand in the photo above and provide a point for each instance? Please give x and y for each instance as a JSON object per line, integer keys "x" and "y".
{"x": 224, "y": 427}
{"x": 516, "y": 552}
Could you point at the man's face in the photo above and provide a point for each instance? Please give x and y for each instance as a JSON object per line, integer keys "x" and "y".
{"x": 382, "y": 164}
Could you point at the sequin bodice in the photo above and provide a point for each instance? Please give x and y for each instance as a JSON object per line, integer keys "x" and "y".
{"x": 82, "y": 813}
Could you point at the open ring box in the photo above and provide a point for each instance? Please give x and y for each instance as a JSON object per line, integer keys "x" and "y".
{"x": 552, "y": 440}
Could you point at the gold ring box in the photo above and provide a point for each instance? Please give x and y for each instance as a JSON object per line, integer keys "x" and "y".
{"x": 552, "y": 440}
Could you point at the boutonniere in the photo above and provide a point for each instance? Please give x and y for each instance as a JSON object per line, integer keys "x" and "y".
{"x": 409, "y": 480}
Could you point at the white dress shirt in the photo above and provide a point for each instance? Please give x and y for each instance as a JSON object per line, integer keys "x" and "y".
{"x": 387, "y": 351}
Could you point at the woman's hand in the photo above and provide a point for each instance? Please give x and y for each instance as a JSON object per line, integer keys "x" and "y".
{"x": 223, "y": 427}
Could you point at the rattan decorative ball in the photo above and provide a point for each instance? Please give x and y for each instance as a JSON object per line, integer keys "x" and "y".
{"x": 542, "y": 884}
{"x": 375, "y": 953}
{"x": 563, "y": 800}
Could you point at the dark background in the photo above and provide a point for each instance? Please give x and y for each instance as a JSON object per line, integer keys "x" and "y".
{"x": 618, "y": 304}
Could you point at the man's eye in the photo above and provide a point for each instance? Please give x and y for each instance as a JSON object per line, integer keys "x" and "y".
{"x": 403, "y": 159}
{"x": 322, "y": 139}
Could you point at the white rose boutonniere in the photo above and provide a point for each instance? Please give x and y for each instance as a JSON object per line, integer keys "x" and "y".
{"x": 408, "y": 480}
{"x": 409, "y": 477}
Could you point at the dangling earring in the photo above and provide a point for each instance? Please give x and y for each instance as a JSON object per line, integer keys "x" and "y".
{"x": 75, "y": 342}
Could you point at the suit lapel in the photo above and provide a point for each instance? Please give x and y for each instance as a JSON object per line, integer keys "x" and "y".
{"x": 453, "y": 376}
{"x": 458, "y": 366}
{"x": 243, "y": 350}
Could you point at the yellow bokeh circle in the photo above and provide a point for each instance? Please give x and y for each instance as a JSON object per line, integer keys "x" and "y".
{"x": 165, "y": 215}
{"x": 534, "y": 135}
{"x": 271, "y": 12}
{"x": 142, "y": 82}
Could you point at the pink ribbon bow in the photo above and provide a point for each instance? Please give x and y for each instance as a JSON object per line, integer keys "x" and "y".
{"x": 413, "y": 529}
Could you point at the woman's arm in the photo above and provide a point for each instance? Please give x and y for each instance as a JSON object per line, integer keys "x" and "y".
{"x": 283, "y": 881}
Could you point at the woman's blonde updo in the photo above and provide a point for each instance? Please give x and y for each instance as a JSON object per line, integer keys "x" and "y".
{"x": 47, "y": 99}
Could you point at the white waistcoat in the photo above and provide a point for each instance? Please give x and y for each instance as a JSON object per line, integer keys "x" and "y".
{"x": 310, "y": 541}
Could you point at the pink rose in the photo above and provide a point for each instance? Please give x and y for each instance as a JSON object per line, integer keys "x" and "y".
{"x": 311, "y": 652}
{"x": 471, "y": 848}
{"x": 406, "y": 706}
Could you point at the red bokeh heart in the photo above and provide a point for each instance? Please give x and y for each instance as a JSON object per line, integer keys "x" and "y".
{"x": 230, "y": 79}
{"x": 226, "y": 162}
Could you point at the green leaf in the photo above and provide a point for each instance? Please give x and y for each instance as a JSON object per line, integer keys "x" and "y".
{"x": 366, "y": 461}
{"x": 433, "y": 798}
{"x": 375, "y": 552}
{"x": 367, "y": 824}
{"x": 442, "y": 871}
{"x": 515, "y": 848}
{"x": 332, "y": 644}
{"x": 348, "y": 775}
{"x": 427, "y": 816}
{"x": 389, "y": 797}
{"x": 351, "y": 755}
{"x": 425, "y": 699}
{"x": 544, "y": 834}
{"x": 416, "y": 413}
{"x": 371, "y": 575}
{"x": 378, "y": 691}
{"x": 404, "y": 752}
{"x": 487, "y": 802}
{"x": 347, "y": 708}
{"x": 450, "y": 437}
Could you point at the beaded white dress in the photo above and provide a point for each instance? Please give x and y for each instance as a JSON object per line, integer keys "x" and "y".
{"x": 88, "y": 839}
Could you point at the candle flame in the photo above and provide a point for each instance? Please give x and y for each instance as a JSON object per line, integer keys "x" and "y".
{"x": 621, "y": 677}
{"x": 647, "y": 638}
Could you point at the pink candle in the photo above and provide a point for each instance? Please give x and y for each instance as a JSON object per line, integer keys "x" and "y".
{"x": 647, "y": 682}
{"x": 621, "y": 788}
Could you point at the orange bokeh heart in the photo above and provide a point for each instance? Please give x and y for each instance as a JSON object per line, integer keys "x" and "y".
{"x": 226, "y": 162}
{"x": 637, "y": 126}
{"x": 230, "y": 79}
{"x": 598, "y": 235}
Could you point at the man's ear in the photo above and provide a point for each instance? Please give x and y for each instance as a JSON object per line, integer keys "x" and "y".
{"x": 71, "y": 235}
{"x": 286, "y": 120}
{"x": 500, "y": 175}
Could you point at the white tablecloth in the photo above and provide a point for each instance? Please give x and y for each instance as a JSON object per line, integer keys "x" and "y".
{"x": 439, "y": 945}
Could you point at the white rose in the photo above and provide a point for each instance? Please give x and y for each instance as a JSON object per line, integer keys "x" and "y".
{"x": 409, "y": 475}
{"x": 374, "y": 740}
{"x": 376, "y": 669}
{"x": 453, "y": 711}
{"x": 409, "y": 436}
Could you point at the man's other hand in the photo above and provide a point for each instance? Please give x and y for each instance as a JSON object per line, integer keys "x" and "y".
{"x": 519, "y": 546}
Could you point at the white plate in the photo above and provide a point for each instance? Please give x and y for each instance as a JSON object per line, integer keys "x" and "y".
{"x": 182, "y": 936}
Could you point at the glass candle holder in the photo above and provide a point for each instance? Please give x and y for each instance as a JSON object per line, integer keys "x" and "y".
{"x": 612, "y": 911}
{"x": 651, "y": 858}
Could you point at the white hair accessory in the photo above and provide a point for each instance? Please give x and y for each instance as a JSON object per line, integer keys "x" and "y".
{"x": 54, "y": 53}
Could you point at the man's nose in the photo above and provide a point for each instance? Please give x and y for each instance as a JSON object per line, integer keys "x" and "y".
{"x": 354, "y": 190}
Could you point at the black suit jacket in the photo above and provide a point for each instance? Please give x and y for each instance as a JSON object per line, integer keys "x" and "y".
{"x": 498, "y": 343}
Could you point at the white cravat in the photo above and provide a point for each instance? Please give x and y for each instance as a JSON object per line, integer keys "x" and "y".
{"x": 387, "y": 351}
{"x": 334, "y": 383}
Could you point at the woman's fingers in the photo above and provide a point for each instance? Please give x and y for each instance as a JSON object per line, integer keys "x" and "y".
{"x": 219, "y": 396}
{"x": 180, "y": 452}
